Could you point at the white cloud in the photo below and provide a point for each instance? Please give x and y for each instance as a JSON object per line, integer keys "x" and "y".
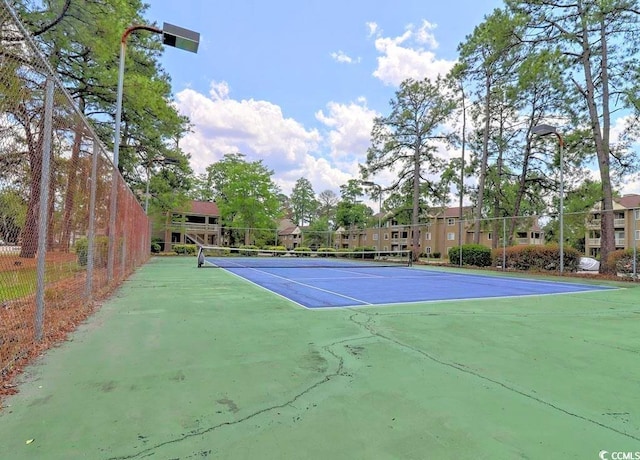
{"x": 424, "y": 36}
{"x": 405, "y": 57}
{"x": 343, "y": 58}
{"x": 258, "y": 129}
{"x": 373, "y": 28}
{"x": 349, "y": 129}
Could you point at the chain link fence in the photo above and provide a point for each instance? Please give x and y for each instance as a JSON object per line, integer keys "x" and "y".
{"x": 55, "y": 184}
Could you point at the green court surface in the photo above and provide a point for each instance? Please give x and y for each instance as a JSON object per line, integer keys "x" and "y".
{"x": 186, "y": 363}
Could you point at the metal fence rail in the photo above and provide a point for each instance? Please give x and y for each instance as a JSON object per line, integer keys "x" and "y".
{"x": 55, "y": 183}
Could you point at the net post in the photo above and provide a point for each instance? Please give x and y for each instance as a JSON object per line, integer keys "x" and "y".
{"x": 200, "y": 256}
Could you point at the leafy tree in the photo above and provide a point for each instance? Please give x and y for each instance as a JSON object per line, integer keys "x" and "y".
{"x": 327, "y": 201}
{"x": 318, "y": 233}
{"x": 577, "y": 206}
{"x": 598, "y": 42}
{"x": 350, "y": 212}
{"x": 245, "y": 194}
{"x": 285, "y": 206}
{"x": 81, "y": 40}
{"x": 404, "y": 142}
{"x": 488, "y": 59}
{"x": 13, "y": 212}
{"x": 303, "y": 201}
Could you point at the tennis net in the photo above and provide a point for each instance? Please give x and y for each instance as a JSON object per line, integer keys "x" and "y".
{"x": 228, "y": 257}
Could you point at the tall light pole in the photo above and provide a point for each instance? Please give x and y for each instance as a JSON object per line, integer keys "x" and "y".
{"x": 545, "y": 130}
{"x": 171, "y": 36}
{"x": 373, "y": 184}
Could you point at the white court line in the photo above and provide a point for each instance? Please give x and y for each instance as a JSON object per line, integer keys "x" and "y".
{"x": 301, "y": 284}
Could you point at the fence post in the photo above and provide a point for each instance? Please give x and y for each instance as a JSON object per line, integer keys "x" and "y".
{"x": 113, "y": 207}
{"x": 635, "y": 243}
{"x": 504, "y": 243}
{"x": 92, "y": 217}
{"x": 44, "y": 214}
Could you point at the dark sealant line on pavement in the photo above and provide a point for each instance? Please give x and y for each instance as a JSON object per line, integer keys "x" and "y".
{"x": 369, "y": 327}
{"x": 338, "y": 372}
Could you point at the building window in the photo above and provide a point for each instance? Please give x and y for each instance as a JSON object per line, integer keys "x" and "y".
{"x": 427, "y": 250}
{"x": 637, "y": 235}
{"x": 375, "y": 237}
{"x": 490, "y": 236}
{"x": 427, "y": 236}
{"x": 451, "y": 221}
{"x": 386, "y": 236}
{"x": 451, "y": 236}
{"x": 636, "y": 214}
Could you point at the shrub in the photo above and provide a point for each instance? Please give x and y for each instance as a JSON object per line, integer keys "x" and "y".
{"x": 364, "y": 252}
{"x": 302, "y": 251}
{"x": 276, "y": 248}
{"x": 472, "y": 254}
{"x": 622, "y": 261}
{"x": 100, "y": 254}
{"x": 252, "y": 250}
{"x": 185, "y": 249}
{"x": 326, "y": 252}
{"x": 156, "y": 246}
{"x": 537, "y": 257}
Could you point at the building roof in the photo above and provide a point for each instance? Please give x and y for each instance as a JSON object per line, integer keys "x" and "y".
{"x": 285, "y": 224}
{"x": 295, "y": 230}
{"x": 455, "y": 211}
{"x": 629, "y": 201}
{"x": 206, "y": 208}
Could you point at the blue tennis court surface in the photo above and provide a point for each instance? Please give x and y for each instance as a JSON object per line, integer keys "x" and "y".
{"x": 322, "y": 287}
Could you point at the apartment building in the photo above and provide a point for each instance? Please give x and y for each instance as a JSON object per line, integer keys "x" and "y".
{"x": 197, "y": 222}
{"x": 289, "y": 234}
{"x": 626, "y": 223}
{"x": 437, "y": 236}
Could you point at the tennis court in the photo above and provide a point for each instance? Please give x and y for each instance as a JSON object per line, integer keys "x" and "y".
{"x": 351, "y": 282}
{"x": 186, "y": 363}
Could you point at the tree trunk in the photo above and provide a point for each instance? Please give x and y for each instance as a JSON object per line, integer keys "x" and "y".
{"x": 415, "y": 233}
{"x": 485, "y": 158}
{"x": 601, "y": 137}
{"x": 70, "y": 197}
{"x": 29, "y": 236}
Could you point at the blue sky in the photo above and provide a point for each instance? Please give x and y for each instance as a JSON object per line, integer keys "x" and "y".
{"x": 298, "y": 83}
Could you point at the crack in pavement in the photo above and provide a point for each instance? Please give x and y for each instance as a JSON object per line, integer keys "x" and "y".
{"x": 338, "y": 372}
{"x": 369, "y": 326}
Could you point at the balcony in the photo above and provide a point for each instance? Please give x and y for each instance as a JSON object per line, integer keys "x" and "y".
{"x": 595, "y": 242}
{"x": 191, "y": 227}
{"x": 595, "y": 223}
{"x": 529, "y": 241}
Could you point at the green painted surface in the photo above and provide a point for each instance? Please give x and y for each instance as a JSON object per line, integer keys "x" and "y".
{"x": 187, "y": 363}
